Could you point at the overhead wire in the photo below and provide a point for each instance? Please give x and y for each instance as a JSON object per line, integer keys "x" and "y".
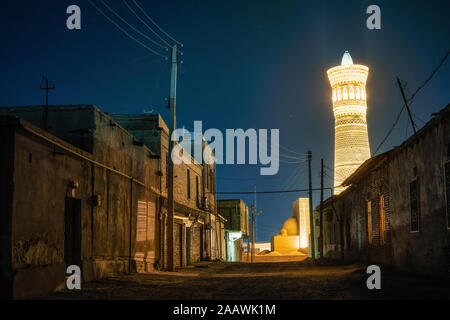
{"x": 302, "y": 158}
{"x": 132, "y": 27}
{"x": 294, "y": 152}
{"x": 140, "y": 19}
{"x": 160, "y": 29}
{"x": 410, "y": 101}
{"x": 268, "y": 192}
{"x": 125, "y": 32}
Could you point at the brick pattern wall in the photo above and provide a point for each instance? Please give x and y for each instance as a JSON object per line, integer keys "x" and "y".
{"x": 195, "y": 242}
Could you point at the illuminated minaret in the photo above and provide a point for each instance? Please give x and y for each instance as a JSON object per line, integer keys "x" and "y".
{"x": 351, "y": 141}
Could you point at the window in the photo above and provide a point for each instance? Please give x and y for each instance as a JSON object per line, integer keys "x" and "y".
{"x": 447, "y": 191}
{"x": 352, "y": 93}
{"x": 339, "y": 95}
{"x": 344, "y": 94}
{"x": 167, "y": 170}
{"x": 334, "y": 95}
{"x": 211, "y": 177}
{"x": 382, "y": 221}
{"x": 369, "y": 221}
{"x": 188, "y": 183}
{"x": 358, "y": 94}
{"x": 414, "y": 197}
{"x": 196, "y": 189}
{"x": 145, "y": 228}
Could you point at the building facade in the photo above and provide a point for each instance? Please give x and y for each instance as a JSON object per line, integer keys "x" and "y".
{"x": 85, "y": 191}
{"x": 351, "y": 146}
{"x": 295, "y": 232}
{"x": 396, "y": 208}
{"x": 235, "y": 211}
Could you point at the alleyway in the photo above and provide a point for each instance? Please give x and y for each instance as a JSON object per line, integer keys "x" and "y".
{"x": 284, "y": 280}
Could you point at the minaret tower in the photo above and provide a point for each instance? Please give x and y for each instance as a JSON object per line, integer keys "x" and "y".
{"x": 351, "y": 141}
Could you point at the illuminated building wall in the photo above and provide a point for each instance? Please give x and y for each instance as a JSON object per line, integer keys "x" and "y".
{"x": 300, "y": 210}
{"x": 348, "y": 83}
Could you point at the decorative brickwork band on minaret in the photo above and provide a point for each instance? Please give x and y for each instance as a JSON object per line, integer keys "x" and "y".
{"x": 351, "y": 148}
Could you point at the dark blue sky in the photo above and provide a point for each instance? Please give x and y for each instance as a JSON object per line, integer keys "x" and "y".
{"x": 247, "y": 64}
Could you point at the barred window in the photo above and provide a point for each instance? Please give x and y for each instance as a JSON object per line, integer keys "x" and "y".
{"x": 188, "y": 184}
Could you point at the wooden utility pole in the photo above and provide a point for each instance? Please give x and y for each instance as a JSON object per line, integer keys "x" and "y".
{"x": 406, "y": 104}
{"x": 170, "y": 198}
{"x": 321, "y": 209}
{"x": 248, "y": 249}
{"x": 311, "y": 217}
{"x": 46, "y": 88}
{"x": 253, "y": 231}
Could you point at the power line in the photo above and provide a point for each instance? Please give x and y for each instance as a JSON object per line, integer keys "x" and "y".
{"x": 289, "y": 183}
{"x": 160, "y": 29}
{"x": 292, "y": 157}
{"x": 259, "y": 179}
{"x": 296, "y": 178}
{"x": 267, "y": 192}
{"x": 410, "y": 100}
{"x": 292, "y": 162}
{"x": 291, "y": 165}
{"x": 429, "y": 78}
{"x": 140, "y": 19}
{"x": 125, "y": 32}
{"x": 132, "y": 27}
{"x": 294, "y": 152}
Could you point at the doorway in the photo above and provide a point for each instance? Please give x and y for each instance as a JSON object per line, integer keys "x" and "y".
{"x": 201, "y": 242}
{"x": 188, "y": 246}
{"x": 72, "y": 232}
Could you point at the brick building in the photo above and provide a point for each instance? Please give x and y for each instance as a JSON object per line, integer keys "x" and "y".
{"x": 395, "y": 211}
{"x": 195, "y": 186}
{"x": 86, "y": 191}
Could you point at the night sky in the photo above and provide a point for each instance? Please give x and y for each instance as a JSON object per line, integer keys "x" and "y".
{"x": 246, "y": 64}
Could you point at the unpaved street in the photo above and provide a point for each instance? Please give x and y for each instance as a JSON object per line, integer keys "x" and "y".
{"x": 273, "y": 281}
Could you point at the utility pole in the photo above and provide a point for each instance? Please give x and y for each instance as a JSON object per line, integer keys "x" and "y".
{"x": 46, "y": 88}
{"x": 321, "y": 209}
{"x": 253, "y": 231}
{"x": 406, "y": 104}
{"x": 311, "y": 217}
{"x": 256, "y": 222}
{"x": 248, "y": 249}
{"x": 170, "y": 198}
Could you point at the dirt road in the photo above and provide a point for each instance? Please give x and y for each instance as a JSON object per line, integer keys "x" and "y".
{"x": 273, "y": 281}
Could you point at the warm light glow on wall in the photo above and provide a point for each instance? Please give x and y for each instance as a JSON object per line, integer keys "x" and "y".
{"x": 349, "y": 108}
{"x": 304, "y": 222}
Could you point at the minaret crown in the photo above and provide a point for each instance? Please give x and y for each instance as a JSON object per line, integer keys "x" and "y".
{"x": 346, "y": 59}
